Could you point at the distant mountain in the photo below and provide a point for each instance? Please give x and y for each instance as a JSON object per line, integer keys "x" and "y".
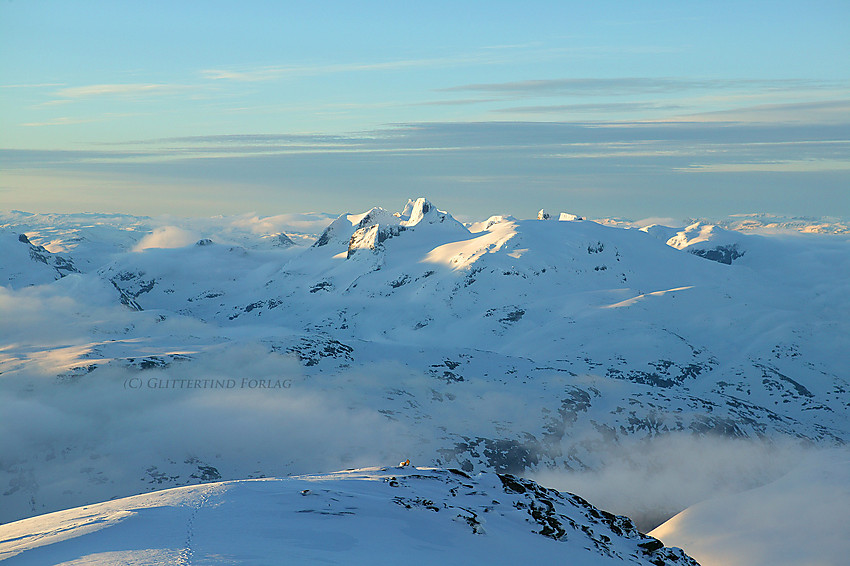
{"x": 26, "y": 264}
{"x": 705, "y": 240}
{"x": 773, "y": 222}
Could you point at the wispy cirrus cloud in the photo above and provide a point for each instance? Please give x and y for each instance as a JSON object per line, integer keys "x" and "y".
{"x": 463, "y": 102}
{"x": 37, "y": 85}
{"x": 278, "y": 72}
{"x": 590, "y": 108}
{"x": 639, "y": 166}
{"x": 709, "y": 141}
{"x": 123, "y": 89}
{"x": 61, "y": 121}
{"x": 790, "y": 166}
{"x": 263, "y": 74}
{"x": 631, "y": 86}
{"x": 72, "y": 120}
{"x": 484, "y": 56}
{"x": 813, "y": 112}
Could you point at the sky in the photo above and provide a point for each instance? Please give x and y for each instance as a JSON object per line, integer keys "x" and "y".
{"x": 676, "y": 109}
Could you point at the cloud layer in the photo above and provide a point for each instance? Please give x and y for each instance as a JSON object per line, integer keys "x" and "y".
{"x": 704, "y": 167}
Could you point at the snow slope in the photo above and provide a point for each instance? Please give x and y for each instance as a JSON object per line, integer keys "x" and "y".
{"x": 369, "y": 516}
{"x": 26, "y": 264}
{"x": 801, "y": 518}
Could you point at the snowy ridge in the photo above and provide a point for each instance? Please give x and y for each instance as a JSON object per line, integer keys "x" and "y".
{"x": 374, "y": 515}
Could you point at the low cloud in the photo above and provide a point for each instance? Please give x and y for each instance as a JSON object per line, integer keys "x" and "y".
{"x": 795, "y": 520}
{"x": 81, "y": 421}
{"x": 652, "y": 480}
{"x": 167, "y": 237}
{"x": 120, "y": 430}
{"x": 307, "y": 223}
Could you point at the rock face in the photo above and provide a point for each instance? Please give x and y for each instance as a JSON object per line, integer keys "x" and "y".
{"x": 371, "y": 237}
{"x": 722, "y": 254}
{"x": 375, "y": 515}
{"x": 283, "y": 241}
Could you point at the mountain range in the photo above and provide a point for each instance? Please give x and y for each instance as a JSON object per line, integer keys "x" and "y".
{"x": 143, "y": 354}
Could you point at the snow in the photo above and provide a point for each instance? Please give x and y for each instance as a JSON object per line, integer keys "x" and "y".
{"x": 633, "y": 300}
{"x": 518, "y": 346}
{"x": 801, "y": 518}
{"x": 377, "y": 515}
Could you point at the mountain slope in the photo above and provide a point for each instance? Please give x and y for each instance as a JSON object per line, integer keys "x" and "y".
{"x": 370, "y": 516}
{"x": 26, "y": 264}
{"x": 796, "y": 519}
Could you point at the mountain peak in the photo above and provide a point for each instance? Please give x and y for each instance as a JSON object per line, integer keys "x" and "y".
{"x": 415, "y": 210}
{"x": 422, "y": 211}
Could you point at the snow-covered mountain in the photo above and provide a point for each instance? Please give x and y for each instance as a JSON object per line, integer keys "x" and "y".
{"x": 369, "y": 516}
{"x": 25, "y": 264}
{"x": 178, "y": 352}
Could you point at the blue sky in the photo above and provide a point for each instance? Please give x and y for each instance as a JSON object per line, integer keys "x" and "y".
{"x": 680, "y": 109}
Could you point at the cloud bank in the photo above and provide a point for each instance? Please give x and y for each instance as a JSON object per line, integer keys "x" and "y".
{"x": 630, "y": 169}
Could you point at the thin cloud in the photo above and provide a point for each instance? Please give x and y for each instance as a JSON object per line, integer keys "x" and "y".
{"x": 638, "y": 166}
{"x": 530, "y": 45}
{"x": 265, "y": 74}
{"x": 463, "y": 102}
{"x": 68, "y": 121}
{"x": 276, "y": 72}
{"x": 57, "y": 102}
{"x": 773, "y": 142}
{"x": 61, "y": 121}
{"x": 628, "y": 86}
{"x": 39, "y": 85}
{"x": 791, "y": 166}
{"x": 823, "y": 112}
{"x": 89, "y": 91}
{"x": 589, "y": 108}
